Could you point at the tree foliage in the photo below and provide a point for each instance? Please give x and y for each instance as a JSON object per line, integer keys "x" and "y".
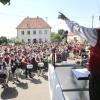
{"x": 59, "y": 36}
{"x": 3, "y": 40}
{"x": 61, "y": 33}
{"x": 5, "y": 1}
{"x": 15, "y": 41}
{"x": 55, "y": 37}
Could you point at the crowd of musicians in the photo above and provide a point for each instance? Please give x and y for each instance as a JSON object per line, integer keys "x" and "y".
{"x": 19, "y": 56}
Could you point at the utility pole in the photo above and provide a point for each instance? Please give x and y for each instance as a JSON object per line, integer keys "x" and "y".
{"x": 92, "y": 21}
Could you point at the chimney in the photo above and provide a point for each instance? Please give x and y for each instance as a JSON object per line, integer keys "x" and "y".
{"x": 27, "y": 17}
{"x": 37, "y": 16}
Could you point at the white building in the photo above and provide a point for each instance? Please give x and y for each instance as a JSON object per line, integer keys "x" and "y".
{"x": 33, "y": 30}
{"x": 75, "y": 37}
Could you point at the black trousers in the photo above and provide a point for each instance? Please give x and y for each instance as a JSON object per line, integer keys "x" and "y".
{"x": 94, "y": 86}
{"x": 28, "y": 72}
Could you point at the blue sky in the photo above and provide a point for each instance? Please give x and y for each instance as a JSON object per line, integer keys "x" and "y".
{"x": 80, "y": 11}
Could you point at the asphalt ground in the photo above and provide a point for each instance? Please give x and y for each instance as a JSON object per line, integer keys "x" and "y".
{"x": 36, "y": 88}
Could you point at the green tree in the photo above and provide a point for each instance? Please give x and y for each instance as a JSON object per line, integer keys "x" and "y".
{"x": 52, "y": 36}
{"x": 3, "y": 40}
{"x": 5, "y": 1}
{"x": 10, "y": 41}
{"x": 23, "y": 42}
{"x": 18, "y": 41}
{"x": 61, "y": 33}
{"x": 55, "y": 37}
{"x": 61, "y": 36}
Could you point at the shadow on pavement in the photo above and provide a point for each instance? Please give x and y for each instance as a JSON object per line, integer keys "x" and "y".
{"x": 9, "y": 93}
{"x": 36, "y": 81}
{"x": 22, "y": 85}
{"x": 45, "y": 77}
{"x": 22, "y": 77}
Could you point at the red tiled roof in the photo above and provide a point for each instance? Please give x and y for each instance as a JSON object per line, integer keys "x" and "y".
{"x": 33, "y": 23}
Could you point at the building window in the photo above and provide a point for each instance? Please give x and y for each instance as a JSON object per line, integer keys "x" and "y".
{"x": 40, "y": 31}
{"x": 45, "y": 31}
{"x": 28, "y": 32}
{"x": 34, "y": 32}
{"x": 22, "y": 32}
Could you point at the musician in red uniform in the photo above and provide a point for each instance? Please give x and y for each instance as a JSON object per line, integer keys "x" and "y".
{"x": 92, "y": 35}
{"x": 27, "y": 71}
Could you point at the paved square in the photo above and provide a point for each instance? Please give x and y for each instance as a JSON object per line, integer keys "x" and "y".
{"x": 30, "y": 89}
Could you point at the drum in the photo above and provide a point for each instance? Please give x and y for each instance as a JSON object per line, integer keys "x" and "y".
{"x": 3, "y": 76}
{"x": 29, "y": 66}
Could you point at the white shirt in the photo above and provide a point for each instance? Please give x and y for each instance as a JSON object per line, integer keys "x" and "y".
{"x": 89, "y": 34}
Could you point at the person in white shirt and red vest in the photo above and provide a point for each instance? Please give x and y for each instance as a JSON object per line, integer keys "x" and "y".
{"x": 92, "y": 35}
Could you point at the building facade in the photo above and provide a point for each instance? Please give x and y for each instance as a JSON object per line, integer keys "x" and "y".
{"x": 32, "y": 30}
{"x": 73, "y": 37}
